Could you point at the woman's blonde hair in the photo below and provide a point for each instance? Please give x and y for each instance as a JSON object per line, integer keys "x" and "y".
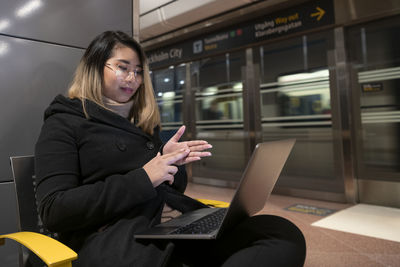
{"x": 88, "y": 79}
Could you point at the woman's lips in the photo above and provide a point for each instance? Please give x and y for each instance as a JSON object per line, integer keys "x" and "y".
{"x": 127, "y": 90}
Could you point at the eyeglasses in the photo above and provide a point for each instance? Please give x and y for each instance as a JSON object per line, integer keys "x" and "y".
{"x": 122, "y": 72}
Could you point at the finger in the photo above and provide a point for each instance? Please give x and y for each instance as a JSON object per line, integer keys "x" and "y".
{"x": 173, "y": 157}
{"x": 196, "y": 143}
{"x": 169, "y": 178}
{"x": 172, "y": 170}
{"x": 200, "y": 154}
{"x": 178, "y": 134}
{"x": 190, "y": 159}
{"x": 200, "y": 147}
{"x": 176, "y": 153}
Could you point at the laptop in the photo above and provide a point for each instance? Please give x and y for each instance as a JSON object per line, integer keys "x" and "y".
{"x": 254, "y": 189}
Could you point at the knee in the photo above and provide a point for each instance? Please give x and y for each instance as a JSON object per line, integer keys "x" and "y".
{"x": 272, "y": 227}
{"x": 282, "y": 253}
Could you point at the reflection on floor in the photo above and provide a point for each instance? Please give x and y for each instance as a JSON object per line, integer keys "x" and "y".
{"x": 368, "y": 220}
{"x": 324, "y": 247}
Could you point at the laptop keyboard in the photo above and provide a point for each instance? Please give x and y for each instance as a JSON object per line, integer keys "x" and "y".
{"x": 203, "y": 225}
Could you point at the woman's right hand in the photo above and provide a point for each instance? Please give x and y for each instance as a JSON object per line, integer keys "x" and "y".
{"x": 161, "y": 168}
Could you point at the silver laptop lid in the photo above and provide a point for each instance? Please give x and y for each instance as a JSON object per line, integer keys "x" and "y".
{"x": 259, "y": 178}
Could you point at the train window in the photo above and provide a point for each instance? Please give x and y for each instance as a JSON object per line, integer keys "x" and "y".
{"x": 301, "y": 94}
{"x": 218, "y": 103}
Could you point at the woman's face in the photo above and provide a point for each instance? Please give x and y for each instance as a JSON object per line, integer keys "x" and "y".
{"x": 123, "y": 74}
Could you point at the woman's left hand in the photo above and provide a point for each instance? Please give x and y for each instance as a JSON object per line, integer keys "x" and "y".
{"x": 196, "y": 147}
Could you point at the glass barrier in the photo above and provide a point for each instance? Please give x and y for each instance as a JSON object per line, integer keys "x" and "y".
{"x": 376, "y": 58}
{"x": 169, "y": 84}
{"x": 380, "y": 119}
{"x": 298, "y": 106}
{"x": 218, "y": 109}
{"x": 295, "y": 103}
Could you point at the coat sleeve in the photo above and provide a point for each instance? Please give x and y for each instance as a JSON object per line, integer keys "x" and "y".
{"x": 180, "y": 179}
{"x": 65, "y": 203}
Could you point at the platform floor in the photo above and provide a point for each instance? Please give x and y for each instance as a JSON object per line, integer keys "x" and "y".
{"x": 325, "y": 247}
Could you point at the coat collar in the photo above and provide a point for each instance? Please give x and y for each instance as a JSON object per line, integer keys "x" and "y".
{"x": 96, "y": 113}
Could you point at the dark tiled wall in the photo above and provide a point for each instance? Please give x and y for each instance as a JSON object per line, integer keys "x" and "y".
{"x": 41, "y": 42}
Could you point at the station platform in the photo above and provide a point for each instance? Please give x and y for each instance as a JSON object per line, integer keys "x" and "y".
{"x": 325, "y": 247}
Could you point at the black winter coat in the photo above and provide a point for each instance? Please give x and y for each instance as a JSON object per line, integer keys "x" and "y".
{"x": 92, "y": 189}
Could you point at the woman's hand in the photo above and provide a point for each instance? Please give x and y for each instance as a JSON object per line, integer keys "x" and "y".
{"x": 196, "y": 147}
{"x": 161, "y": 168}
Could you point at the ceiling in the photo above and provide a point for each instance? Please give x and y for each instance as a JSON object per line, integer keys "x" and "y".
{"x": 158, "y": 17}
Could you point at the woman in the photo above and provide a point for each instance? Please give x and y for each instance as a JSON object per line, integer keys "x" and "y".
{"x": 103, "y": 173}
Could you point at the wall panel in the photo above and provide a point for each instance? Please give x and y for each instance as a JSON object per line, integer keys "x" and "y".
{"x": 41, "y": 42}
{"x": 34, "y": 74}
{"x": 72, "y": 22}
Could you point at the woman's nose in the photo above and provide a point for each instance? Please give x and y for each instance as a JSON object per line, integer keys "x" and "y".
{"x": 131, "y": 76}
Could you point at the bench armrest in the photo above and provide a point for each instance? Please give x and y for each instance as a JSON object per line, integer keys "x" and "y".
{"x": 51, "y": 251}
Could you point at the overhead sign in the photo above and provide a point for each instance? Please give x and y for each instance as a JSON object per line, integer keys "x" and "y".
{"x": 304, "y": 17}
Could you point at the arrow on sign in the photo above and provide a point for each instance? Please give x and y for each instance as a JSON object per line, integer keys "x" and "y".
{"x": 320, "y": 13}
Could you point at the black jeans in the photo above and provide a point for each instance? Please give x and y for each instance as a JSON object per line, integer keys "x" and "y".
{"x": 262, "y": 240}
